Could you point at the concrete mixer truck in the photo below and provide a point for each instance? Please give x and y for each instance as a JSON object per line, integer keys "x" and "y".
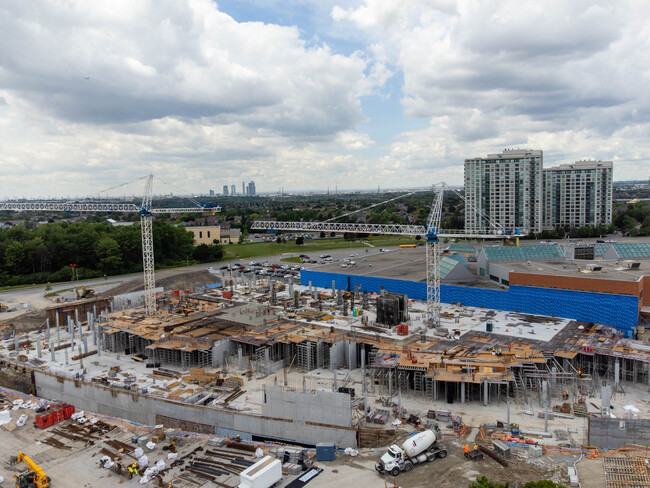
{"x": 419, "y": 448}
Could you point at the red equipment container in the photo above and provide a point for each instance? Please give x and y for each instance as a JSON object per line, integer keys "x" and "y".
{"x": 54, "y": 416}
{"x": 227, "y": 294}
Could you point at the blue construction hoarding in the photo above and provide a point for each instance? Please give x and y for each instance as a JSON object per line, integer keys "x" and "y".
{"x": 620, "y": 311}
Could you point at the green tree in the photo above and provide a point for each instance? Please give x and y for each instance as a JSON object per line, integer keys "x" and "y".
{"x": 14, "y": 256}
{"x": 483, "y": 482}
{"x": 108, "y": 254}
{"x": 542, "y": 484}
{"x": 300, "y": 240}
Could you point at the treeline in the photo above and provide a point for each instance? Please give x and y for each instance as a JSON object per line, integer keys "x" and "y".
{"x": 44, "y": 254}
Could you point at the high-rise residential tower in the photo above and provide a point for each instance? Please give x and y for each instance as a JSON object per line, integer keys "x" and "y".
{"x": 506, "y": 187}
{"x": 578, "y": 194}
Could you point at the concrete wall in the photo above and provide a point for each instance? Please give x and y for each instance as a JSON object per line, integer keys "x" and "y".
{"x": 337, "y": 354}
{"x": 614, "y": 433}
{"x": 221, "y": 351}
{"x": 319, "y": 406}
{"x": 312, "y": 411}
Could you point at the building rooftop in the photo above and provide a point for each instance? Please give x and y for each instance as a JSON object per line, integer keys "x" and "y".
{"x": 524, "y": 253}
{"x": 581, "y": 269}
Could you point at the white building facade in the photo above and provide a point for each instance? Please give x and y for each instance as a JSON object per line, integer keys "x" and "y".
{"x": 578, "y": 194}
{"x": 506, "y": 187}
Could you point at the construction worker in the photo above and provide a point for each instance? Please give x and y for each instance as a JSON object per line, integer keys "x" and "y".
{"x": 500, "y": 352}
{"x": 475, "y": 447}
{"x": 509, "y": 347}
{"x": 466, "y": 449}
{"x": 473, "y": 374}
{"x": 442, "y": 357}
{"x": 580, "y": 372}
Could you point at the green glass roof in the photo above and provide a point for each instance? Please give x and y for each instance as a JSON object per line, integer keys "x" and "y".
{"x": 599, "y": 249}
{"x": 462, "y": 247}
{"x": 524, "y": 253}
{"x": 459, "y": 258}
{"x": 446, "y": 265}
{"x": 632, "y": 250}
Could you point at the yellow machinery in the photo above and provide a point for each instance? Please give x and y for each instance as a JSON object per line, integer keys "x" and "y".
{"x": 3, "y": 307}
{"x": 34, "y": 478}
{"x": 83, "y": 292}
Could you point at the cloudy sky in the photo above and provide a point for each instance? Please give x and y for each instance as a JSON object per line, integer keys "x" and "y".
{"x": 310, "y": 94}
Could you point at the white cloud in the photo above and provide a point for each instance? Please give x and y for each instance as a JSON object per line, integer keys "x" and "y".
{"x": 120, "y": 87}
{"x": 565, "y": 77}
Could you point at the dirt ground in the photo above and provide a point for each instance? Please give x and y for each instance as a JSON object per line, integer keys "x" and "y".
{"x": 454, "y": 471}
{"x": 169, "y": 280}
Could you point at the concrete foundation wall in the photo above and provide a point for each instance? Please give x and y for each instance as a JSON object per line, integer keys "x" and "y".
{"x": 615, "y": 433}
{"x": 309, "y": 408}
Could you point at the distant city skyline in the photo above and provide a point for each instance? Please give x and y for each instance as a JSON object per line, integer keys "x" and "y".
{"x": 307, "y": 94}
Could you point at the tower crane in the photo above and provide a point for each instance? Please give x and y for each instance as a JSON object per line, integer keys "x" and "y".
{"x": 431, "y": 232}
{"x": 146, "y": 219}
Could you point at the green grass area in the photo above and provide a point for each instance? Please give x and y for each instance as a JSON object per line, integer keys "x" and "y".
{"x": 292, "y": 260}
{"x": 251, "y": 250}
{"x": 56, "y": 293}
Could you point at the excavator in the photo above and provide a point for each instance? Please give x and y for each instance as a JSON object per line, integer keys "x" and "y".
{"x": 34, "y": 478}
{"x": 83, "y": 292}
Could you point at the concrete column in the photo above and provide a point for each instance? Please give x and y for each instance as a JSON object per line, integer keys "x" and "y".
{"x": 334, "y": 382}
{"x": 290, "y": 287}
{"x": 94, "y": 310}
{"x": 76, "y": 315}
{"x": 553, "y": 377}
{"x": 85, "y": 345}
{"x": 239, "y": 357}
{"x": 81, "y": 360}
{"x": 16, "y": 342}
{"x": 364, "y": 386}
{"x": 508, "y": 414}
{"x": 38, "y": 347}
{"x": 52, "y": 353}
{"x": 47, "y": 324}
{"x": 390, "y": 383}
{"x": 462, "y": 392}
{"x": 65, "y": 353}
{"x": 486, "y": 394}
{"x": 399, "y": 403}
{"x": 56, "y": 315}
{"x": 310, "y": 287}
{"x": 304, "y": 384}
{"x": 58, "y": 330}
{"x": 333, "y": 287}
{"x": 99, "y": 334}
{"x": 545, "y": 399}
{"x": 267, "y": 359}
{"x": 617, "y": 374}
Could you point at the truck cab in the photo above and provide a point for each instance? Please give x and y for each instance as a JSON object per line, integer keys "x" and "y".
{"x": 392, "y": 461}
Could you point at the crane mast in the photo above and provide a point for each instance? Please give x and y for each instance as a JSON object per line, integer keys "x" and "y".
{"x": 146, "y": 220}
{"x": 433, "y": 258}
